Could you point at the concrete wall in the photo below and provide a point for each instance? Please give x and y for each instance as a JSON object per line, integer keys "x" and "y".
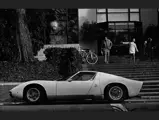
{"x": 148, "y": 16}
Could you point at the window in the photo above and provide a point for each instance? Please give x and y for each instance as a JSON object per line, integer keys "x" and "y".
{"x": 117, "y": 10}
{"x": 118, "y": 17}
{"x": 83, "y": 76}
{"x": 134, "y": 10}
{"x": 101, "y": 15}
{"x": 121, "y": 26}
{"x": 121, "y": 22}
{"x": 101, "y": 10}
{"x": 124, "y": 14}
{"x": 134, "y": 16}
{"x": 101, "y": 18}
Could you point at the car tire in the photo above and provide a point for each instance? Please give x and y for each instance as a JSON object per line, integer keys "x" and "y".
{"x": 39, "y": 92}
{"x": 115, "y": 93}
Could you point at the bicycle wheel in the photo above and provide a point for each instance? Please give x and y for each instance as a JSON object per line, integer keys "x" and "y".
{"x": 92, "y": 58}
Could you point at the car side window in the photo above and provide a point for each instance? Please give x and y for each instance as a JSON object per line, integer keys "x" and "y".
{"x": 83, "y": 76}
{"x": 76, "y": 77}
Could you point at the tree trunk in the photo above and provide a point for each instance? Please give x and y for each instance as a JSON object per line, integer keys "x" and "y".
{"x": 25, "y": 39}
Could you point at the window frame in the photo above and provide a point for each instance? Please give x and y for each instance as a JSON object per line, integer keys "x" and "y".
{"x": 128, "y": 12}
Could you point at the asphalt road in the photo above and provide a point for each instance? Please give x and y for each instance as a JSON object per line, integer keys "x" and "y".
{"x": 56, "y": 108}
{"x": 82, "y": 107}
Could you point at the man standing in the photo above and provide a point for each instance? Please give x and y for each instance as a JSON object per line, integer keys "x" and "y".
{"x": 145, "y": 48}
{"x": 150, "y": 48}
{"x": 107, "y": 45}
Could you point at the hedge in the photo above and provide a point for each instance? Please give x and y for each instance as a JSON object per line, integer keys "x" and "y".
{"x": 67, "y": 60}
{"x": 22, "y": 72}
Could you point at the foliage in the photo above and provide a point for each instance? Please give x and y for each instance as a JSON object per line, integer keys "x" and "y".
{"x": 89, "y": 31}
{"x": 38, "y": 22}
{"x": 21, "y": 72}
{"x": 67, "y": 60}
{"x": 8, "y": 48}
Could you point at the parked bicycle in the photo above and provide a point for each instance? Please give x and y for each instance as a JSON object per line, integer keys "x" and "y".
{"x": 89, "y": 56}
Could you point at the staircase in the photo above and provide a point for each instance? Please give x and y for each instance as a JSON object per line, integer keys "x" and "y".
{"x": 146, "y": 71}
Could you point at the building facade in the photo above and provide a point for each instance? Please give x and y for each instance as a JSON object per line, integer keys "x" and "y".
{"x": 121, "y": 24}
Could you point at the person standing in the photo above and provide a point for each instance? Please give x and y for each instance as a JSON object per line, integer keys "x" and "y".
{"x": 150, "y": 48}
{"x": 132, "y": 48}
{"x": 107, "y": 45}
{"x": 145, "y": 48}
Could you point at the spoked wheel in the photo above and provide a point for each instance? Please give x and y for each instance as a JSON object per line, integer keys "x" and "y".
{"x": 115, "y": 93}
{"x": 34, "y": 95}
{"x": 92, "y": 58}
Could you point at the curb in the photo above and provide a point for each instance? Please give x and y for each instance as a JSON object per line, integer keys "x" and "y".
{"x": 141, "y": 100}
{"x": 11, "y": 103}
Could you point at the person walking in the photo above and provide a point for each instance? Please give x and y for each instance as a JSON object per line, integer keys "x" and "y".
{"x": 106, "y": 47}
{"x": 132, "y": 49}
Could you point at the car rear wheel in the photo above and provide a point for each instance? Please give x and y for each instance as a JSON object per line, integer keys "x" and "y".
{"x": 115, "y": 93}
{"x": 34, "y": 95}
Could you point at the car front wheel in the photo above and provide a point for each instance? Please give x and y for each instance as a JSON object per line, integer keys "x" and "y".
{"x": 34, "y": 95}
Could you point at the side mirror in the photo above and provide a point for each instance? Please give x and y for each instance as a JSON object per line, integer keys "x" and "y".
{"x": 69, "y": 80}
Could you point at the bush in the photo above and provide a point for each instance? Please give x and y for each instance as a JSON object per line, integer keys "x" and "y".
{"x": 67, "y": 60}
{"x": 22, "y": 72}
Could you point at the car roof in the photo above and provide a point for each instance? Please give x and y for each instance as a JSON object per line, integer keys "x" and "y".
{"x": 88, "y": 71}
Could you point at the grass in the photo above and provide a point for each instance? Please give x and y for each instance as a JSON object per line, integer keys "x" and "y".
{"x": 22, "y": 72}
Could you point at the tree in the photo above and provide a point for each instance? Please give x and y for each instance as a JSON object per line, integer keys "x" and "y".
{"x": 24, "y": 42}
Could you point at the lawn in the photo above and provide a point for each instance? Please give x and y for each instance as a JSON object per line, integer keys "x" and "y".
{"x": 21, "y": 72}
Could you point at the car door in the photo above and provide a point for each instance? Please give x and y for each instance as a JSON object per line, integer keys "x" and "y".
{"x": 79, "y": 85}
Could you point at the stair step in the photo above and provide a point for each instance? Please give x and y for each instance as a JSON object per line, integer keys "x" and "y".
{"x": 127, "y": 65}
{"x": 151, "y": 83}
{"x": 149, "y": 93}
{"x": 126, "y": 69}
{"x": 150, "y": 97}
{"x": 149, "y": 90}
{"x": 138, "y": 76}
{"x": 150, "y": 86}
{"x": 150, "y": 78}
{"x": 133, "y": 73}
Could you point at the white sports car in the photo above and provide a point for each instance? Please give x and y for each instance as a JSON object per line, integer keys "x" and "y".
{"x": 82, "y": 85}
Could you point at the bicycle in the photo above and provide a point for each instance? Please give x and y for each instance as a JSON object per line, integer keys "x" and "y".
{"x": 89, "y": 56}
